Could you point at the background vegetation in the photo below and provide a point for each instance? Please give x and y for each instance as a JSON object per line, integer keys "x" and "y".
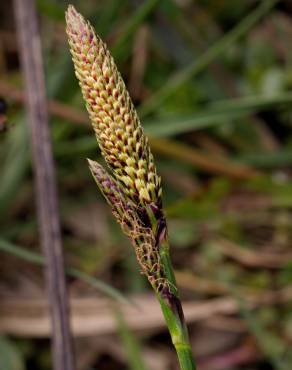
{"x": 213, "y": 84}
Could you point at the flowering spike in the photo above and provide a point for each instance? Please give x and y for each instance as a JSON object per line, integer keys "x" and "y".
{"x": 113, "y": 116}
{"x": 110, "y": 189}
{"x": 134, "y": 225}
{"x": 133, "y": 189}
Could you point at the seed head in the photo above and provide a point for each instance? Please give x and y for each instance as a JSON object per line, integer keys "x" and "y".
{"x": 133, "y": 189}
{"x": 130, "y": 217}
{"x": 110, "y": 189}
{"x": 114, "y": 118}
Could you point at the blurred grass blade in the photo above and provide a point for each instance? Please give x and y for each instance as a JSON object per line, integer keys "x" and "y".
{"x": 132, "y": 24}
{"x": 10, "y": 356}
{"x": 130, "y": 343}
{"x": 180, "y": 77}
{"x": 198, "y": 159}
{"x": 280, "y": 158}
{"x": 38, "y": 259}
{"x": 252, "y": 103}
{"x": 105, "y": 288}
{"x": 16, "y": 161}
{"x": 174, "y": 125}
{"x": 22, "y": 253}
{"x": 105, "y": 17}
{"x": 217, "y": 113}
{"x": 272, "y": 346}
{"x": 51, "y": 9}
{"x": 15, "y": 164}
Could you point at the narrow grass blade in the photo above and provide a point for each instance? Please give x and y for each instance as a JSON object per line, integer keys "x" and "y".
{"x": 217, "y": 113}
{"x": 211, "y": 54}
{"x": 38, "y": 259}
{"x": 130, "y": 343}
{"x": 14, "y": 166}
{"x": 136, "y": 19}
{"x": 10, "y": 356}
{"x": 267, "y": 341}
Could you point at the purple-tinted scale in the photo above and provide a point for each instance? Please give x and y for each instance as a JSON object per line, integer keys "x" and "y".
{"x": 160, "y": 287}
{"x": 144, "y": 217}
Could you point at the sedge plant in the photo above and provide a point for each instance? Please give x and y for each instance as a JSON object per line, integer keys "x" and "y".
{"x": 132, "y": 186}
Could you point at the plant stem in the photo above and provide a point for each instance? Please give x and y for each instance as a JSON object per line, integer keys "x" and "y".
{"x": 173, "y": 314}
{"x": 46, "y": 192}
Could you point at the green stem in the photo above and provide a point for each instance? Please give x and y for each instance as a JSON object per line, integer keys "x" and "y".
{"x": 173, "y": 314}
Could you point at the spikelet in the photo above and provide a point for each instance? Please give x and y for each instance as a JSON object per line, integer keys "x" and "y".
{"x": 135, "y": 224}
{"x": 113, "y": 116}
{"x": 111, "y": 190}
{"x": 133, "y": 190}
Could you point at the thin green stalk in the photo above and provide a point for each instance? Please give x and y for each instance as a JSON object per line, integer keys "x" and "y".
{"x": 211, "y": 54}
{"x": 173, "y": 314}
{"x": 179, "y": 336}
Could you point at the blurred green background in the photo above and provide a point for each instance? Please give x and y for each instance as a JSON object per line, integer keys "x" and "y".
{"x": 212, "y": 81}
